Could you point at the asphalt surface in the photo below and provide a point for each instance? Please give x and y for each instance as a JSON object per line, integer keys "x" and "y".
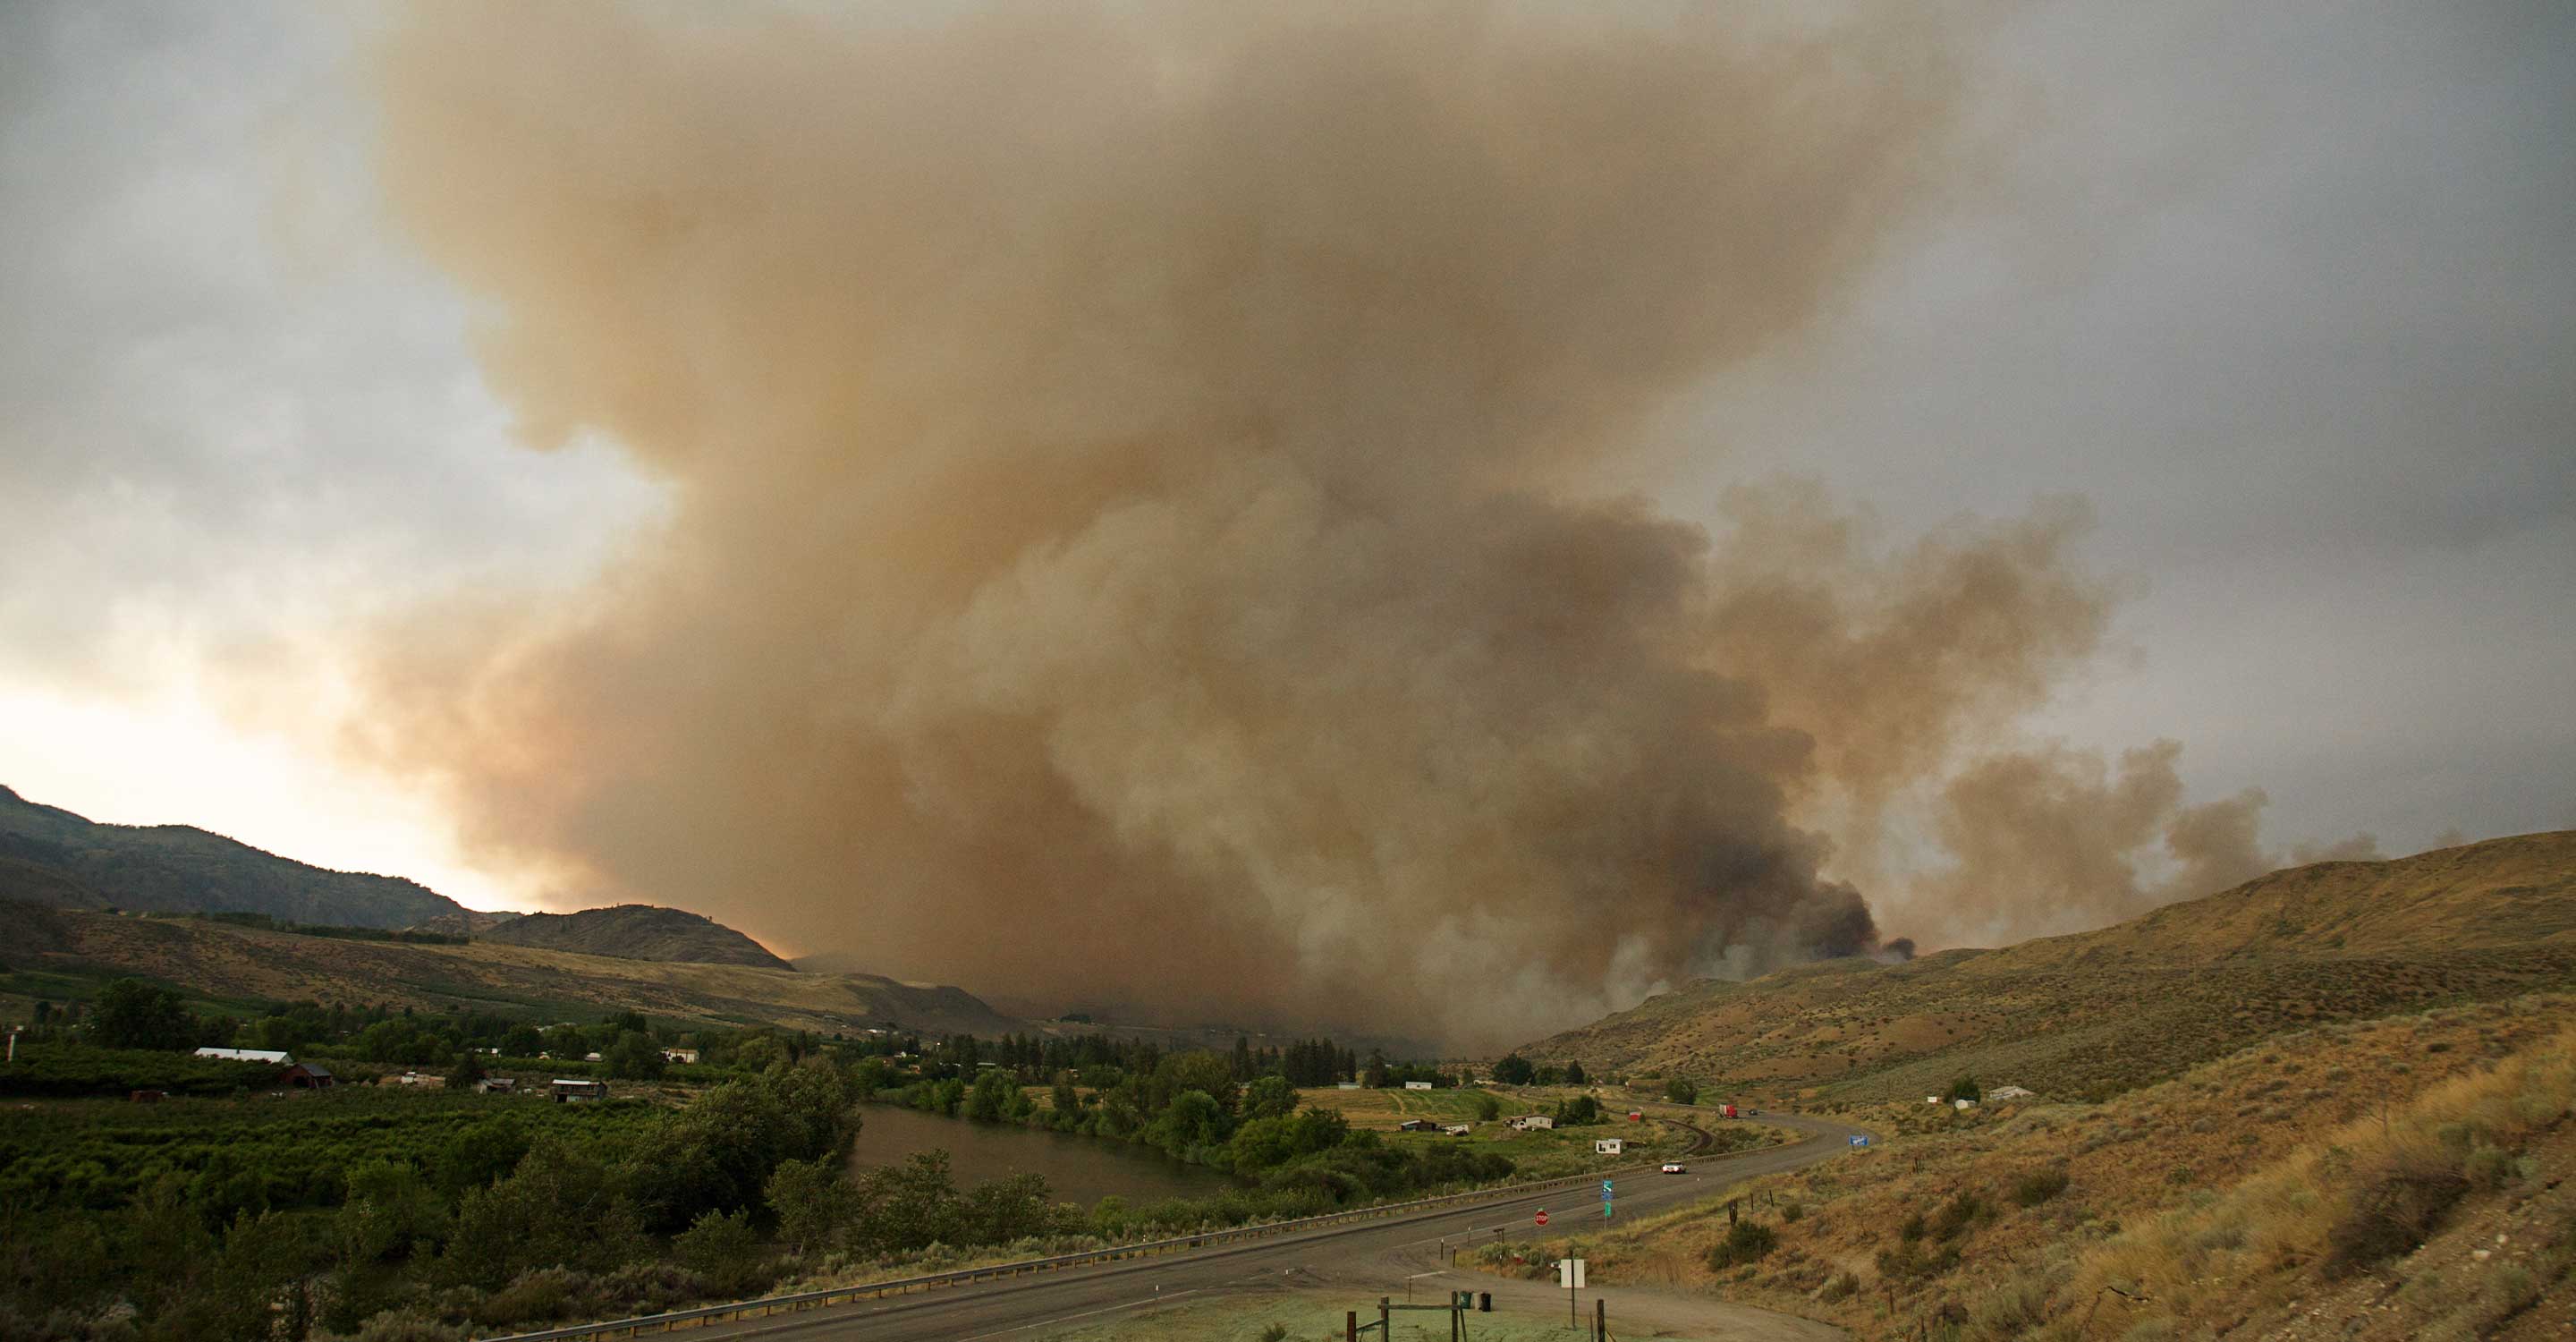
{"x": 1366, "y": 1259}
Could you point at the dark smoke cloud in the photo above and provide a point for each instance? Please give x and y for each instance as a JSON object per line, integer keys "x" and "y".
{"x": 1129, "y": 535}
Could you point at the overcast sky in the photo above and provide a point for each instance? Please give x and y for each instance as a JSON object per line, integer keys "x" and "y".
{"x": 2287, "y": 291}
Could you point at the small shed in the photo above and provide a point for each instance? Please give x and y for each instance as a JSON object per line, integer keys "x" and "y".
{"x": 1459, "y": 1129}
{"x": 307, "y": 1076}
{"x": 578, "y": 1090}
{"x": 1609, "y": 1146}
{"x": 1417, "y": 1085}
{"x": 1346, "y": 1085}
{"x": 497, "y": 1085}
{"x": 1963, "y": 1104}
{"x": 1417, "y": 1125}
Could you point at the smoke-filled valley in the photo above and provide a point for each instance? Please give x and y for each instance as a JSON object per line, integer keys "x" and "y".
{"x": 1136, "y": 529}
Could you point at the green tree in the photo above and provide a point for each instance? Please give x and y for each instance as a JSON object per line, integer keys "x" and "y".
{"x": 135, "y": 1014}
{"x": 814, "y": 1203}
{"x": 1193, "y": 1120}
{"x": 1514, "y": 1070}
{"x": 908, "y": 1206}
{"x": 990, "y": 1099}
{"x": 1681, "y": 1090}
{"x": 1578, "y": 1111}
{"x": 1269, "y": 1097}
{"x": 522, "y": 1041}
{"x": 635, "y": 1057}
{"x": 721, "y": 1248}
{"x": 467, "y": 1071}
{"x": 1488, "y": 1108}
{"x": 480, "y": 1154}
{"x": 1574, "y": 1074}
{"x": 1966, "y": 1088}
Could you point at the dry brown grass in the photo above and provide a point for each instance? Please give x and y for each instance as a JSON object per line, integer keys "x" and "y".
{"x": 2190, "y": 1206}
{"x": 2092, "y": 1015}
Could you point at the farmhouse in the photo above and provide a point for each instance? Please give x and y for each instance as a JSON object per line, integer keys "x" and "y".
{"x": 1533, "y": 1123}
{"x": 307, "y": 1076}
{"x": 1609, "y": 1146}
{"x": 575, "y": 1090}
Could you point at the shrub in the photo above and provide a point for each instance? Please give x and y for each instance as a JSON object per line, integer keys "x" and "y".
{"x": 2488, "y": 1167}
{"x": 1746, "y": 1242}
{"x": 1792, "y": 1211}
{"x": 2393, "y": 1209}
{"x": 1843, "y": 1287}
{"x": 2038, "y": 1186}
{"x": 1277, "y": 1332}
{"x": 1963, "y": 1210}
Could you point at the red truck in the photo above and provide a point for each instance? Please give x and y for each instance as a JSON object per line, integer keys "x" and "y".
{"x": 1726, "y": 1111}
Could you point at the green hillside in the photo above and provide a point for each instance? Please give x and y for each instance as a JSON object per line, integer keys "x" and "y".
{"x": 636, "y": 932}
{"x": 50, "y": 856}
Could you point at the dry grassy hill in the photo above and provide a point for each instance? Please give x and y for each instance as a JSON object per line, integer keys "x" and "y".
{"x": 2383, "y": 1181}
{"x": 220, "y": 961}
{"x": 2105, "y": 1011}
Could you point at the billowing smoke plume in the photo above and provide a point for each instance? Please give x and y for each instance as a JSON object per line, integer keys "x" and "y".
{"x": 1129, "y": 532}
{"x": 2054, "y": 840}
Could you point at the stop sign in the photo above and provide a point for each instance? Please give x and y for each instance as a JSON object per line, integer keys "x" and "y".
{"x": 1542, "y": 1216}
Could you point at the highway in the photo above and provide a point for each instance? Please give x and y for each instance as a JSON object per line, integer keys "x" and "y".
{"x": 1367, "y": 1259}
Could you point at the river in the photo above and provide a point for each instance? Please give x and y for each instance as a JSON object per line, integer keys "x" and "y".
{"x": 1077, "y": 1169}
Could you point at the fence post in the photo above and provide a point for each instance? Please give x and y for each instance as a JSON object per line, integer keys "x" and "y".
{"x": 1351, "y": 1326}
{"x": 1600, "y": 1320}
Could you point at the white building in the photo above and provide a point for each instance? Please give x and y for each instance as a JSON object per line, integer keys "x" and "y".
{"x": 1533, "y": 1123}
{"x": 1417, "y": 1085}
{"x": 268, "y": 1055}
{"x": 688, "y": 1055}
{"x": 2011, "y": 1093}
{"x": 1609, "y": 1146}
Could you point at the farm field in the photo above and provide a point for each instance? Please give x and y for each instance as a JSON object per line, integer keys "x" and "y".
{"x": 1386, "y": 1108}
{"x": 274, "y": 1152}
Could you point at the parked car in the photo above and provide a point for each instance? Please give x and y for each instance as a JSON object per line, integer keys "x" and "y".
{"x": 1675, "y": 1167}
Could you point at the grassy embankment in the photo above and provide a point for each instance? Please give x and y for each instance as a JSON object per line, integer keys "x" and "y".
{"x": 2283, "y": 1191}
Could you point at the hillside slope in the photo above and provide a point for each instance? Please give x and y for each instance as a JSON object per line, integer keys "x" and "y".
{"x": 50, "y": 856}
{"x": 636, "y": 932}
{"x": 221, "y": 961}
{"x": 2104, "y": 1011}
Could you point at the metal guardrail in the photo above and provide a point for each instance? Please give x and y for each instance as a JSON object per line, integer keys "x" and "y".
{"x": 804, "y": 1300}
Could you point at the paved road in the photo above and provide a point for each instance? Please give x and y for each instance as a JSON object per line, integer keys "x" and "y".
{"x": 1368, "y": 1259}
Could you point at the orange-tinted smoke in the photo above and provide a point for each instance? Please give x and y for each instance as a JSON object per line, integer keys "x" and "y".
{"x": 1129, "y": 536}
